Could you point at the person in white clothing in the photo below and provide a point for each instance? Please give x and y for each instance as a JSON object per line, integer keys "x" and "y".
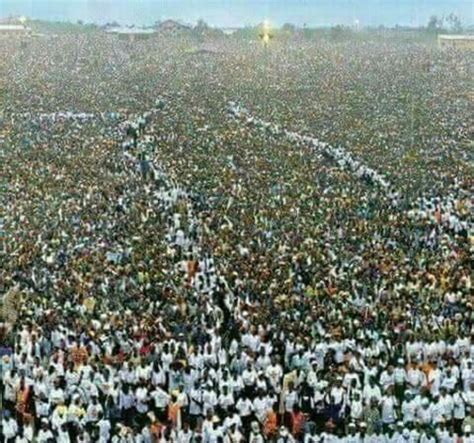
{"x": 104, "y": 428}
{"x": 9, "y": 427}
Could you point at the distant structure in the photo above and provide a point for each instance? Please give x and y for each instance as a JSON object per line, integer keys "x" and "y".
{"x": 13, "y": 20}
{"x": 464, "y": 42}
{"x": 10, "y": 29}
{"x": 229, "y": 31}
{"x": 171, "y": 27}
{"x": 131, "y": 34}
{"x": 14, "y": 26}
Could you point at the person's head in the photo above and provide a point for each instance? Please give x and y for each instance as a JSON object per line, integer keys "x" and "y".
{"x": 352, "y": 428}
{"x": 255, "y": 427}
{"x": 283, "y": 432}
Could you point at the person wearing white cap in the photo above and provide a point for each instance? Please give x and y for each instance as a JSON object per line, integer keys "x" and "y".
{"x": 389, "y": 405}
{"x": 409, "y": 407}
{"x": 468, "y": 435}
{"x": 404, "y": 437}
{"x": 425, "y": 412}
{"x": 255, "y": 435}
{"x": 284, "y": 436}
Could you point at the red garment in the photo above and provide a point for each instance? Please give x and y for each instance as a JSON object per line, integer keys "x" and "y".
{"x": 298, "y": 420}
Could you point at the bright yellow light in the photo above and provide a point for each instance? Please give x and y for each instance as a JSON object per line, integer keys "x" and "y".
{"x": 266, "y": 38}
{"x": 22, "y": 19}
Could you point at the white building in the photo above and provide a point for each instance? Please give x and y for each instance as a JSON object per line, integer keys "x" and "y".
{"x": 465, "y": 42}
{"x": 131, "y": 34}
{"x": 12, "y": 29}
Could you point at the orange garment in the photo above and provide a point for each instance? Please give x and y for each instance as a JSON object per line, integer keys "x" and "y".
{"x": 271, "y": 423}
{"x": 22, "y": 397}
{"x": 426, "y": 368}
{"x": 155, "y": 430}
{"x": 79, "y": 355}
{"x": 173, "y": 413}
{"x": 192, "y": 267}
{"x": 297, "y": 423}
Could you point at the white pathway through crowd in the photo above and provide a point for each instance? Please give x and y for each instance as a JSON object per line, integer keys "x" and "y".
{"x": 442, "y": 211}
{"x": 181, "y": 236}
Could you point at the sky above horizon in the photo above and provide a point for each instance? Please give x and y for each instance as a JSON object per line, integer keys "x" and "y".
{"x": 234, "y": 13}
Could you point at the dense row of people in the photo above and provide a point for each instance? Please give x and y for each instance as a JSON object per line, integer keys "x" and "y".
{"x": 183, "y": 276}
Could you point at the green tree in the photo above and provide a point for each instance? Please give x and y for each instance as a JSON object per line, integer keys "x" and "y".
{"x": 434, "y": 24}
{"x": 454, "y": 23}
{"x": 289, "y": 28}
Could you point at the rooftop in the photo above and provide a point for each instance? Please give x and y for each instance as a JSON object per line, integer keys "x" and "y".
{"x": 9, "y": 27}
{"x": 122, "y": 30}
{"x": 456, "y": 37}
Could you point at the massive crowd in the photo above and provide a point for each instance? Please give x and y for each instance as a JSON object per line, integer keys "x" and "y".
{"x": 235, "y": 246}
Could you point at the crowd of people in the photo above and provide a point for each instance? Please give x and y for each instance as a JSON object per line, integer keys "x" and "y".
{"x": 244, "y": 245}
